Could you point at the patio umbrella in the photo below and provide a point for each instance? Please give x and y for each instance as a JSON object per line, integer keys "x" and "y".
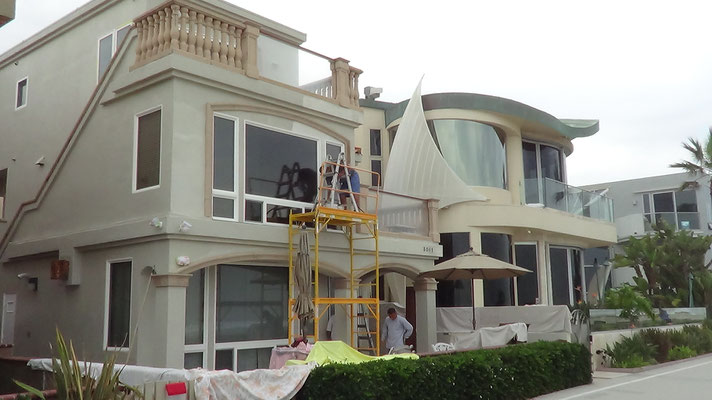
{"x": 303, "y": 306}
{"x": 471, "y": 265}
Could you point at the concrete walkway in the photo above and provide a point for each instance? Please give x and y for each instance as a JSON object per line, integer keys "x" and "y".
{"x": 683, "y": 380}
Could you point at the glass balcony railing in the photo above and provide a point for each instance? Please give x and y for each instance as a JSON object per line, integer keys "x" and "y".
{"x": 572, "y": 200}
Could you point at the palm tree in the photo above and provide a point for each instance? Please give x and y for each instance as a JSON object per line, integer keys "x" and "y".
{"x": 701, "y": 163}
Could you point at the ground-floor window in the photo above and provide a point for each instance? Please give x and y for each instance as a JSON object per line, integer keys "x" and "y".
{"x": 567, "y": 287}
{"x": 248, "y": 305}
{"x": 525, "y": 255}
{"x": 118, "y": 305}
{"x": 456, "y": 293}
{"x": 498, "y": 292}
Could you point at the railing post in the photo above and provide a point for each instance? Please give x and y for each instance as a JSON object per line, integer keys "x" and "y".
{"x": 249, "y": 50}
{"x": 341, "y": 83}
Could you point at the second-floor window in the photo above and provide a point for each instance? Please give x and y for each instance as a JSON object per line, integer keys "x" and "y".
{"x": 107, "y": 47}
{"x": 147, "y": 159}
{"x": 678, "y": 209}
{"x": 21, "y": 94}
{"x": 376, "y": 157}
{"x": 543, "y": 173}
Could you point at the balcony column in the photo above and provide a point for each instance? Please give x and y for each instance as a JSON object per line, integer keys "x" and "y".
{"x": 425, "y": 313}
{"x": 515, "y": 166}
{"x": 249, "y": 50}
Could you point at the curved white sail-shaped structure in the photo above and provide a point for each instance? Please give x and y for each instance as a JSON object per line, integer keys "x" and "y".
{"x": 416, "y": 167}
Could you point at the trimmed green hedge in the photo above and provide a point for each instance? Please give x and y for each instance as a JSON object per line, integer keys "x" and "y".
{"x": 512, "y": 372}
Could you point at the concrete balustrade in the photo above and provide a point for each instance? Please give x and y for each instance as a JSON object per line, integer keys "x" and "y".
{"x": 184, "y": 27}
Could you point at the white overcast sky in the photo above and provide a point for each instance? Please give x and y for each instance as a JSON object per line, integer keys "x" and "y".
{"x": 643, "y": 68}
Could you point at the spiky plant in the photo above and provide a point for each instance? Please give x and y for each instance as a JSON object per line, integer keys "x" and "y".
{"x": 700, "y": 162}
{"x": 72, "y": 384}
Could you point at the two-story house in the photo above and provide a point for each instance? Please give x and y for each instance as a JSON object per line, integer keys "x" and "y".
{"x": 513, "y": 157}
{"x": 150, "y": 154}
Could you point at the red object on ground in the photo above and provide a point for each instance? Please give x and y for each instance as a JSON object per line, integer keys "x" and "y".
{"x": 173, "y": 389}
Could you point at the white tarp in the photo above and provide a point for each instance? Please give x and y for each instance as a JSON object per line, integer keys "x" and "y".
{"x": 267, "y": 384}
{"x": 132, "y": 375}
{"x": 415, "y": 166}
{"x": 490, "y": 337}
{"x": 541, "y": 319}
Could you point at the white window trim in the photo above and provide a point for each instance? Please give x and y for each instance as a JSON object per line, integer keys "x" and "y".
{"x": 225, "y": 194}
{"x": 202, "y": 347}
{"x": 652, "y": 213}
{"x": 107, "y": 287}
{"x": 114, "y": 46}
{"x": 235, "y": 346}
{"x": 135, "y": 150}
{"x": 17, "y": 91}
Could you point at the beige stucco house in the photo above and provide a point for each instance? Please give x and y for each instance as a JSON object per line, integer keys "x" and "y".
{"x": 150, "y": 153}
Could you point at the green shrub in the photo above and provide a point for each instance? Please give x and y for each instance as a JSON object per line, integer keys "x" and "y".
{"x": 512, "y": 372}
{"x": 681, "y": 352}
{"x": 632, "y": 350}
{"x": 661, "y": 340}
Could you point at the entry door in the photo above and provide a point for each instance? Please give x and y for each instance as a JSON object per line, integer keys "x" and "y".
{"x": 7, "y": 325}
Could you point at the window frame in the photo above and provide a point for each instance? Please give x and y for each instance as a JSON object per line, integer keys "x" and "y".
{"x": 537, "y": 272}
{"x": 237, "y": 163}
{"x": 239, "y": 345}
{"x": 26, "y": 96}
{"x": 201, "y": 348}
{"x": 540, "y": 178}
{"x": 652, "y": 212}
{"x": 320, "y": 157}
{"x": 134, "y": 181}
{"x": 107, "y": 300}
{"x": 114, "y": 33}
{"x": 570, "y": 264}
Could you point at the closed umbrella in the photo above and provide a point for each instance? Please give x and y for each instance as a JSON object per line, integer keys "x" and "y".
{"x": 303, "y": 306}
{"x": 472, "y": 265}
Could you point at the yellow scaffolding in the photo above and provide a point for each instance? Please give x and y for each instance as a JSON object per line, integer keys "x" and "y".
{"x": 356, "y": 226}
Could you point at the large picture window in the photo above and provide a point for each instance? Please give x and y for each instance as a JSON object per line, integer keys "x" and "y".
{"x": 281, "y": 174}
{"x": 457, "y": 293}
{"x": 251, "y": 303}
{"x": 475, "y": 151}
{"x": 678, "y": 209}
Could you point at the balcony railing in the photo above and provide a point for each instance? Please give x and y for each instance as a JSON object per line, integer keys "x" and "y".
{"x": 400, "y": 214}
{"x": 576, "y": 201}
{"x": 232, "y": 42}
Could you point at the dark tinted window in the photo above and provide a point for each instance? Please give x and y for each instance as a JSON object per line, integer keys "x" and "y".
{"x": 224, "y": 154}
{"x": 119, "y": 304}
{"x": 497, "y": 292}
{"x": 280, "y": 165}
{"x": 527, "y": 284}
{"x": 454, "y": 293}
{"x": 148, "y": 150}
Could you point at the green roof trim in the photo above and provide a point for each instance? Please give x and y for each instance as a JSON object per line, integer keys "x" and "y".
{"x": 571, "y": 128}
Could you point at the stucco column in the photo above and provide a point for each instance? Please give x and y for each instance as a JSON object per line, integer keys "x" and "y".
{"x": 162, "y": 340}
{"x": 425, "y": 313}
{"x": 342, "y": 322}
{"x": 342, "y": 86}
{"x": 515, "y": 166}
